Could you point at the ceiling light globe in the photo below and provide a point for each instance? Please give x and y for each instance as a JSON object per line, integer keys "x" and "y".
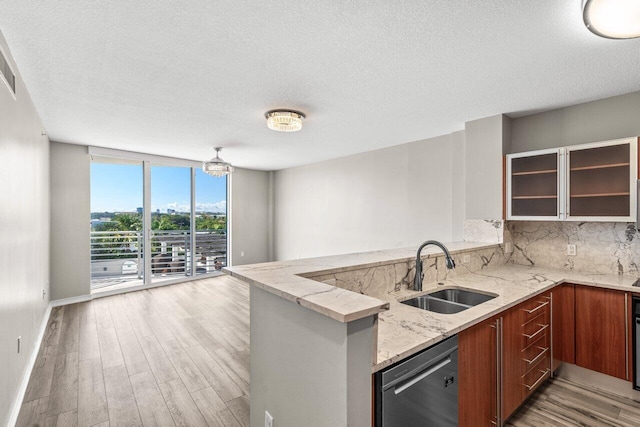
{"x": 613, "y": 19}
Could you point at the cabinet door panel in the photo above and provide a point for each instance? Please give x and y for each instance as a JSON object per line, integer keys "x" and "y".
{"x": 477, "y": 385}
{"x": 600, "y": 331}
{"x": 532, "y": 185}
{"x": 564, "y": 325}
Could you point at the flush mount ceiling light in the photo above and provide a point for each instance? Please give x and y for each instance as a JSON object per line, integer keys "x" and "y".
{"x": 284, "y": 120}
{"x": 612, "y": 19}
{"x": 217, "y": 166}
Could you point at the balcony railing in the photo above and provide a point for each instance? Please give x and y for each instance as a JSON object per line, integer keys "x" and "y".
{"x": 118, "y": 256}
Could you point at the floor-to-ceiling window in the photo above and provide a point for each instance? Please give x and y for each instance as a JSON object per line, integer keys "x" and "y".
{"x": 155, "y": 220}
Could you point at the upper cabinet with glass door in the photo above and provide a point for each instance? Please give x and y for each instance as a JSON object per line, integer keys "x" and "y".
{"x": 533, "y": 188}
{"x": 588, "y": 182}
{"x": 601, "y": 181}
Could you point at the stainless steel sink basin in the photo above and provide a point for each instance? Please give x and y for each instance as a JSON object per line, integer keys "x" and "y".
{"x": 448, "y": 301}
{"x": 434, "y": 304}
{"x": 461, "y": 296}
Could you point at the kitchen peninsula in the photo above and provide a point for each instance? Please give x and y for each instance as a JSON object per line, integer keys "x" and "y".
{"x": 350, "y": 303}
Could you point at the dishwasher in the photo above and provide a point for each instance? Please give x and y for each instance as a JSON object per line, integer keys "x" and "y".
{"x": 421, "y": 390}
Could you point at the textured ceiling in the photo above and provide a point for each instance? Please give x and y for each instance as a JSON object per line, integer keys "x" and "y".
{"x": 177, "y": 77}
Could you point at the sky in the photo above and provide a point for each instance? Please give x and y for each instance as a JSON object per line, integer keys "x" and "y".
{"x": 118, "y": 188}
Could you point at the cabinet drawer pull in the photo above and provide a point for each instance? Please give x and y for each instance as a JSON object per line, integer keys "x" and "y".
{"x": 538, "y": 381}
{"x": 535, "y": 359}
{"x": 543, "y": 327}
{"x": 533, "y": 310}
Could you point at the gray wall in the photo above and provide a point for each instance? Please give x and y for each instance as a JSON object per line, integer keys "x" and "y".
{"x": 602, "y": 120}
{"x": 458, "y": 177}
{"x": 394, "y": 197}
{"x": 24, "y": 252}
{"x": 307, "y": 369}
{"x": 251, "y": 222}
{"x": 70, "y": 228}
{"x": 485, "y": 141}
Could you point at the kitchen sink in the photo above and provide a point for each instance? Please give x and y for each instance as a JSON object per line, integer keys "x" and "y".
{"x": 461, "y": 296}
{"x": 435, "y": 304}
{"x": 448, "y": 301}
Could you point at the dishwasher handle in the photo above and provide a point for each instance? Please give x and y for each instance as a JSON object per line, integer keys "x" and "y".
{"x": 400, "y": 388}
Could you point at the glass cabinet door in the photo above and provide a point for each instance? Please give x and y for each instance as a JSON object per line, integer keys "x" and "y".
{"x": 533, "y": 186}
{"x": 601, "y": 182}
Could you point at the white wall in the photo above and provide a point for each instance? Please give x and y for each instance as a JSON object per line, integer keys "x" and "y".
{"x": 394, "y": 197}
{"x": 307, "y": 369}
{"x": 486, "y": 139}
{"x": 251, "y": 222}
{"x": 70, "y": 228}
{"x": 601, "y": 120}
{"x": 24, "y": 218}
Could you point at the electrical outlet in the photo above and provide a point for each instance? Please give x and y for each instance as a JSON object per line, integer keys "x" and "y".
{"x": 19, "y": 342}
{"x": 241, "y": 253}
{"x": 268, "y": 419}
{"x": 571, "y": 250}
{"x": 508, "y": 248}
{"x": 466, "y": 259}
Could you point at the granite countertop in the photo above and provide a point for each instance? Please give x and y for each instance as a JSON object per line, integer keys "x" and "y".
{"x": 404, "y": 330}
{"x": 287, "y": 279}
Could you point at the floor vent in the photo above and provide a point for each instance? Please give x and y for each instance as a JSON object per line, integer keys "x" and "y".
{"x": 7, "y": 74}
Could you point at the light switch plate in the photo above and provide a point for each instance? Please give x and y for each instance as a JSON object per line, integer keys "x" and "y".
{"x": 571, "y": 250}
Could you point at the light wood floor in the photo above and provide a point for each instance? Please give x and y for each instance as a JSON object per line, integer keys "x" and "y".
{"x": 564, "y": 403}
{"x": 177, "y": 355}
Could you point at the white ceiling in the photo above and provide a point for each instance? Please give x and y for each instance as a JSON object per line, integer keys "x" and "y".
{"x": 177, "y": 77}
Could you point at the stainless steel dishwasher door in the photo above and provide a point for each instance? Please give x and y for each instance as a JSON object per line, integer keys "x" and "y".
{"x": 423, "y": 391}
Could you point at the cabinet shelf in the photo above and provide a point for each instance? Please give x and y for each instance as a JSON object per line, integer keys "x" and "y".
{"x": 533, "y": 197}
{"x": 535, "y": 172}
{"x": 599, "y": 195}
{"x": 610, "y": 165}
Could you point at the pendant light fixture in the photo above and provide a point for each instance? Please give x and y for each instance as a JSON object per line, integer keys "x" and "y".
{"x": 612, "y": 19}
{"x": 216, "y": 166}
{"x": 284, "y": 120}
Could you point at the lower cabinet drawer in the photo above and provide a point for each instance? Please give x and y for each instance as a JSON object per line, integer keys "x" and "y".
{"x": 534, "y": 353}
{"x": 536, "y": 375}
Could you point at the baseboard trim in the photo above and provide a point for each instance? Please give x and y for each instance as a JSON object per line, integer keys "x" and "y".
{"x": 17, "y": 404}
{"x": 71, "y": 300}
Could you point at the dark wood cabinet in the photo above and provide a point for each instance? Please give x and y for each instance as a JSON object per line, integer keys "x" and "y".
{"x": 526, "y": 351}
{"x": 564, "y": 325}
{"x": 477, "y": 374}
{"x": 501, "y": 361}
{"x": 601, "y": 330}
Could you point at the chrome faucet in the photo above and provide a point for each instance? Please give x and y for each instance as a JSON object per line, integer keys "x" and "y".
{"x": 417, "y": 281}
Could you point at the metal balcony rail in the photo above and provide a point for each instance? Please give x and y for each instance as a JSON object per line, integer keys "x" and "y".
{"x": 118, "y": 256}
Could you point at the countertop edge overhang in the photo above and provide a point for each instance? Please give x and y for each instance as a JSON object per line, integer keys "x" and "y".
{"x": 289, "y": 279}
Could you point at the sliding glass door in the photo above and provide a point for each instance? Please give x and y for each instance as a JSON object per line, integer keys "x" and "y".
{"x": 116, "y": 222}
{"x": 170, "y": 221}
{"x": 178, "y": 212}
{"x": 211, "y": 222}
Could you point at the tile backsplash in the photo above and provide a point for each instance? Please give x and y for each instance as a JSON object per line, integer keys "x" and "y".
{"x": 601, "y": 247}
